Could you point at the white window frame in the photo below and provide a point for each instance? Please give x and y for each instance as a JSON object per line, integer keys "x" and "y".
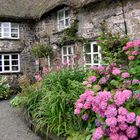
{"x": 10, "y": 63}
{"x": 9, "y": 32}
{"x": 67, "y": 55}
{"x": 92, "y": 53}
{"x": 63, "y": 19}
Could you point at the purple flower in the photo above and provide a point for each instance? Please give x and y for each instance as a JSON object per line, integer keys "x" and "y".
{"x": 112, "y": 122}
{"x": 98, "y": 133}
{"x": 85, "y": 117}
{"x": 111, "y": 111}
{"x": 115, "y": 71}
{"x": 92, "y": 79}
{"x": 138, "y": 121}
{"x": 125, "y": 75}
{"x": 132, "y": 132}
{"x": 103, "y": 80}
{"x": 130, "y": 118}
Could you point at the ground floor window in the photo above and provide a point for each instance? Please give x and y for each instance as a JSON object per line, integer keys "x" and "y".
{"x": 67, "y": 55}
{"x": 9, "y": 63}
{"x": 92, "y": 55}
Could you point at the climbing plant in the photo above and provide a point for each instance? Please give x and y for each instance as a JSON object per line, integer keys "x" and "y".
{"x": 41, "y": 50}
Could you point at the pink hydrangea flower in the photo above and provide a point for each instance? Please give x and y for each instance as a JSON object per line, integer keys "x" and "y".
{"x": 121, "y": 119}
{"x": 119, "y": 98}
{"x": 127, "y": 94}
{"x": 122, "y": 111}
{"x": 114, "y": 136}
{"x": 130, "y": 118}
{"x": 92, "y": 79}
{"x": 103, "y": 80}
{"x": 123, "y": 126}
{"x": 135, "y": 81}
{"x": 115, "y": 71}
{"x": 114, "y": 129}
{"x": 77, "y": 111}
{"x": 98, "y": 133}
{"x": 111, "y": 122}
{"x": 138, "y": 121}
{"x": 132, "y": 132}
{"x": 135, "y": 52}
{"x": 85, "y": 82}
{"x": 131, "y": 57}
{"x": 111, "y": 111}
{"x": 125, "y": 75}
{"x": 85, "y": 117}
{"x": 123, "y": 137}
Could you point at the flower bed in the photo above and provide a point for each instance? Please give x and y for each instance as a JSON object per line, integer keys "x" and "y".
{"x": 113, "y": 97}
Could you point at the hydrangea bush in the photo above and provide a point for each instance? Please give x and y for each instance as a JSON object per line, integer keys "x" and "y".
{"x": 113, "y": 95}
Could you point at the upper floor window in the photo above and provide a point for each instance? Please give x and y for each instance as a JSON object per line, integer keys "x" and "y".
{"x": 67, "y": 55}
{"x": 92, "y": 55}
{"x": 9, "y": 30}
{"x": 63, "y": 19}
{"x": 9, "y": 63}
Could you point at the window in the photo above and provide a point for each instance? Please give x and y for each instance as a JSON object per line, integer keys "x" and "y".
{"x": 9, "y": 30}
{"x": 92, "y": 55}
{"x": 9, "y": 63}
{"x": 63, "y": 19}
{"x": 67, "y": 55}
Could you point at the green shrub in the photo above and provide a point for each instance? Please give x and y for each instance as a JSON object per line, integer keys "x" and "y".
{"x": 51, "y": 103}
{"x": 4, "y": 88}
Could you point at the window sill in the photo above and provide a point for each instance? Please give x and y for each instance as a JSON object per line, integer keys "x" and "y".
{"x": 11, "y": 73}
{"x": 9, "y": 38}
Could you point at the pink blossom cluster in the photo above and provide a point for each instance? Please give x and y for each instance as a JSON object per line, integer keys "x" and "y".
{"x": 119, "y": 124}
{"x": 132, "y": 49}
{"x": 119, "y": 121}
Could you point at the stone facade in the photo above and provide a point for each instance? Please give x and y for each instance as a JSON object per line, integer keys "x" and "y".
{"x": 21, "y": 46}
{"x": 118, "y": 16}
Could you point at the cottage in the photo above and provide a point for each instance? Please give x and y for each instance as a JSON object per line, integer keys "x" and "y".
{"x": 25, "y": 23}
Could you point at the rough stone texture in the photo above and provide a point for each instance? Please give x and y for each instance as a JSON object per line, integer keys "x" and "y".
{"x": 12, "y": 125}
{"x": 92, "y": 15}
{"x": 22, "y": 46}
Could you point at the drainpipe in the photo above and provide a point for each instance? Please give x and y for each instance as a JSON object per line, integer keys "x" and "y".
{"x": 125, "y": 24}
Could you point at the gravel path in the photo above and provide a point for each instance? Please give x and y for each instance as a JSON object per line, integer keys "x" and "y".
{"x": 12, "y": 124}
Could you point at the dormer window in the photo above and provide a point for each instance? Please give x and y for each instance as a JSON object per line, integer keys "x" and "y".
{"x": 9, "y": 30}
{"x": 63, "y": 19}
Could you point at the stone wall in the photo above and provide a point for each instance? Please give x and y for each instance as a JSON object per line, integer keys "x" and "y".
{"x": 92, "y": 15}
{"x": 22, "y": 46}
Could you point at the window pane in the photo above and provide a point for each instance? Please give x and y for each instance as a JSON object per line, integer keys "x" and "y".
{"x": 14, "y": 25}
{"x": 88, "y": 49}
{"x": 14, "y": 68}
{"x": 14, "y": 35}
{"x": 14, "y": 30}
{"x": 15, "y": 62}
{"x": 0, "y": 68}
{"x": 61, "y": 15}
{"x": 6, "y": 25}
{"x": 61, "y": 25}
{"x": 65, "y": 58}
{"x": 0, "y": 63}
{"x": 14, "y": 56}
{"x": 64, "y": 50}
{"x": 88, "y": 58}
{"x": 6, "y": 56}
{"x": 69, "y": 50}
{"x": 67, "y": 13}
{"x": 0, "y": 57}
{"x": 95, "y": 48}
{"x": 6, "y": 63}
{"x": 67, "y": 22}
{"x": 96, "y": 58}
{"x": 7, "y": 68}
